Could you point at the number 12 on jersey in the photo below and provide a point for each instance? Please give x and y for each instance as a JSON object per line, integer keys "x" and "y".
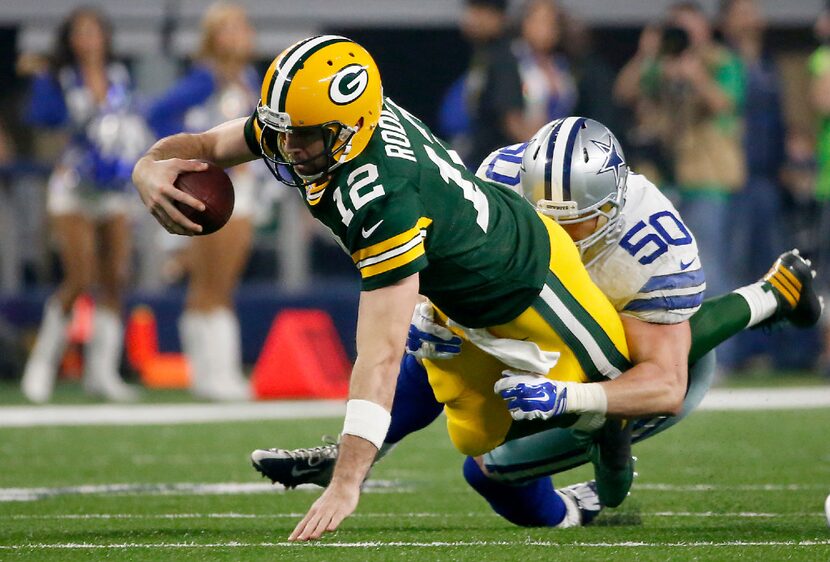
{"x": 471, "y": 191}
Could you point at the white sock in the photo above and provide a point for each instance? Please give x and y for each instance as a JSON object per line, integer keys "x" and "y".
{"x": 761, "y": 301}
{"x": 51, "y": 339}
{"x": 226, "y": 364}
{"x": 103, "y": 357}
{"x": 191, "y": 334}
{"x": 226, "y": 325}
{"x": 43, "y": 363}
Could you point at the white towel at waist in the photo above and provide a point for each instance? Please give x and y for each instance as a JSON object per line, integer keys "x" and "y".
{"x": 517, "y": 354}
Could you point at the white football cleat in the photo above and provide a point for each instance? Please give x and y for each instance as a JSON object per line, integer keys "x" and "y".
{"x": 582, "y": 504}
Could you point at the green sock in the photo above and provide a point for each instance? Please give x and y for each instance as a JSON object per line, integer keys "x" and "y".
{"x": 718, "y": 319}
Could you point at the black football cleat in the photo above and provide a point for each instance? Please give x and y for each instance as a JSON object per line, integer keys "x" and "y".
{"x": 293, "y": 467}
{"x": 791, "y": 279}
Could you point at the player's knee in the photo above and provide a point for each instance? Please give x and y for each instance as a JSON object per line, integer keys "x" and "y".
{"x": 475, "y": 476}
{"x": 72, "y": 288}
{"x": 471, "y": 441}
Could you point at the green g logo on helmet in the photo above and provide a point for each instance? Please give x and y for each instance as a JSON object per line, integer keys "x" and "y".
{"x": 348, "y": 84}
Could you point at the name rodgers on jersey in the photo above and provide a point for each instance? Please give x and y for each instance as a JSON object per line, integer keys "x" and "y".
{"x": 408, "y": 205}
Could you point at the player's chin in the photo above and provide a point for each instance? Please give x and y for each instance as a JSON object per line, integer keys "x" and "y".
{"x": 308, "y": 170}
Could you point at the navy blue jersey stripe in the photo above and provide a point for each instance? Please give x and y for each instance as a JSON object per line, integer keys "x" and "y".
{"x": 683, "y": 280}
{"x": 666, "y": 303}
{"x": 512, "y": 181}
{"x": 507, "y": 157}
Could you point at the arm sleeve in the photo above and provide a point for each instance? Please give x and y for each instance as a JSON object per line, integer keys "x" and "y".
{"x": 386, "y": 239}
{"x": 46, "y": 106}
{"x": 166, "y": 114}
{"x": 253, "y": 132}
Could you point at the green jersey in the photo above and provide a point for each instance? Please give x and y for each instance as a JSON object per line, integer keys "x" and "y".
{"x": 407, "y": 205}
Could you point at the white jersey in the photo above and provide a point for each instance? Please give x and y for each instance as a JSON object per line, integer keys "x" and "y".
{"x": 653, "y": 272}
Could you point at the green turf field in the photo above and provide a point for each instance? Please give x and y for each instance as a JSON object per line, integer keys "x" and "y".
{"x": 720, "y": 486}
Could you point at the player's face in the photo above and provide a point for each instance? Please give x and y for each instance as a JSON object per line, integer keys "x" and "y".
{"x": 306, "y": 149}
{"x": 581, "y": 230}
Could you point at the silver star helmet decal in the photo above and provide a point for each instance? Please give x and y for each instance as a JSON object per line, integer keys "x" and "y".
{"x": 613, "y": 160}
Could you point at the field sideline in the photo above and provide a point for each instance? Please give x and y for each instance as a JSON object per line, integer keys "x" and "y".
{"x": 725, "y": 399}
{"x": 723, "y": 485}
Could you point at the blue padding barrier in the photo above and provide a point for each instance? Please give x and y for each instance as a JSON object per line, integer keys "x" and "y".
{"x": 257, "y": 306}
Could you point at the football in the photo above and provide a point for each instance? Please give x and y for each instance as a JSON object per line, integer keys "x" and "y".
{"x": 212, "y": 187}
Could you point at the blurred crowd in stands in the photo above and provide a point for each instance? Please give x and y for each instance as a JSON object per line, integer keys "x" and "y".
{"x": 735, "y": 132}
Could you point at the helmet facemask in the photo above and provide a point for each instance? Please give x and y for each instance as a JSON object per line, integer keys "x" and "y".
{"x": 574, "y": 171}
{"x": 334, "y": 138}
{"x": 608, "y": 230}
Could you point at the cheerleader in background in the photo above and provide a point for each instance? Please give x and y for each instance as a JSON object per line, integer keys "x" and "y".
{"x": 221, "y": 85}
{"x": 86, "y": 94}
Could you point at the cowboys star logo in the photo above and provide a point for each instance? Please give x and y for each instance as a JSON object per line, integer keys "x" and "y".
{"x": 613, "y": 160}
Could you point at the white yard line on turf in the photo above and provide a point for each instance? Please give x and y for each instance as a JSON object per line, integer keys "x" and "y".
{"x": 371, "y": 486}
{"x": 736, "y": 487}
{"x": 404, "y": 544}
{"x": 156, "y": 414}
{"x": 162, "y": 516}
{"x": 177, "y": 489}
{"x": 783, "y": 398}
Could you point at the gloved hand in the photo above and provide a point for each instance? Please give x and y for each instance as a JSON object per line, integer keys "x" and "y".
{"x": 428, "y": 340}
{"x": 531, "y": 396}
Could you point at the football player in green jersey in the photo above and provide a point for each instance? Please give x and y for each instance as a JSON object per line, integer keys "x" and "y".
{"x": 414, "y": 220}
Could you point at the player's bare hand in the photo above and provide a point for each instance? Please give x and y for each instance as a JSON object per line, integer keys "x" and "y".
{"x": 326, "y": 514}
{"x": 154, "y": 181}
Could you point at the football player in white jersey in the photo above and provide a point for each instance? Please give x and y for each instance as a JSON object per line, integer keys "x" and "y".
{"x": 641, "y": 255}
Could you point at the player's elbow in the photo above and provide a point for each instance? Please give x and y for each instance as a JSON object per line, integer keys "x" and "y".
{"x": 673, "y": 393}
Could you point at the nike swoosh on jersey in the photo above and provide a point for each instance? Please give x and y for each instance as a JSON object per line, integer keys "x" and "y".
{"x": 685, "y": 266}
{"x": 368, "y": 232}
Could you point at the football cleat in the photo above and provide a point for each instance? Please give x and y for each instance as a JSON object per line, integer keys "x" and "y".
{"x": 293, "y": 467}
{"x": 582, "y": 504}
{"x": 613, "y": 463}
{"x": 791, "y": 281}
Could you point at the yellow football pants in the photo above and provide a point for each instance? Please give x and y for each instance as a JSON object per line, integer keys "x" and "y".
{"x": 571, "y": 316}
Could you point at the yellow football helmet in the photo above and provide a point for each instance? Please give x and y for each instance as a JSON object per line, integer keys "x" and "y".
{"x": 325, "y": 87}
